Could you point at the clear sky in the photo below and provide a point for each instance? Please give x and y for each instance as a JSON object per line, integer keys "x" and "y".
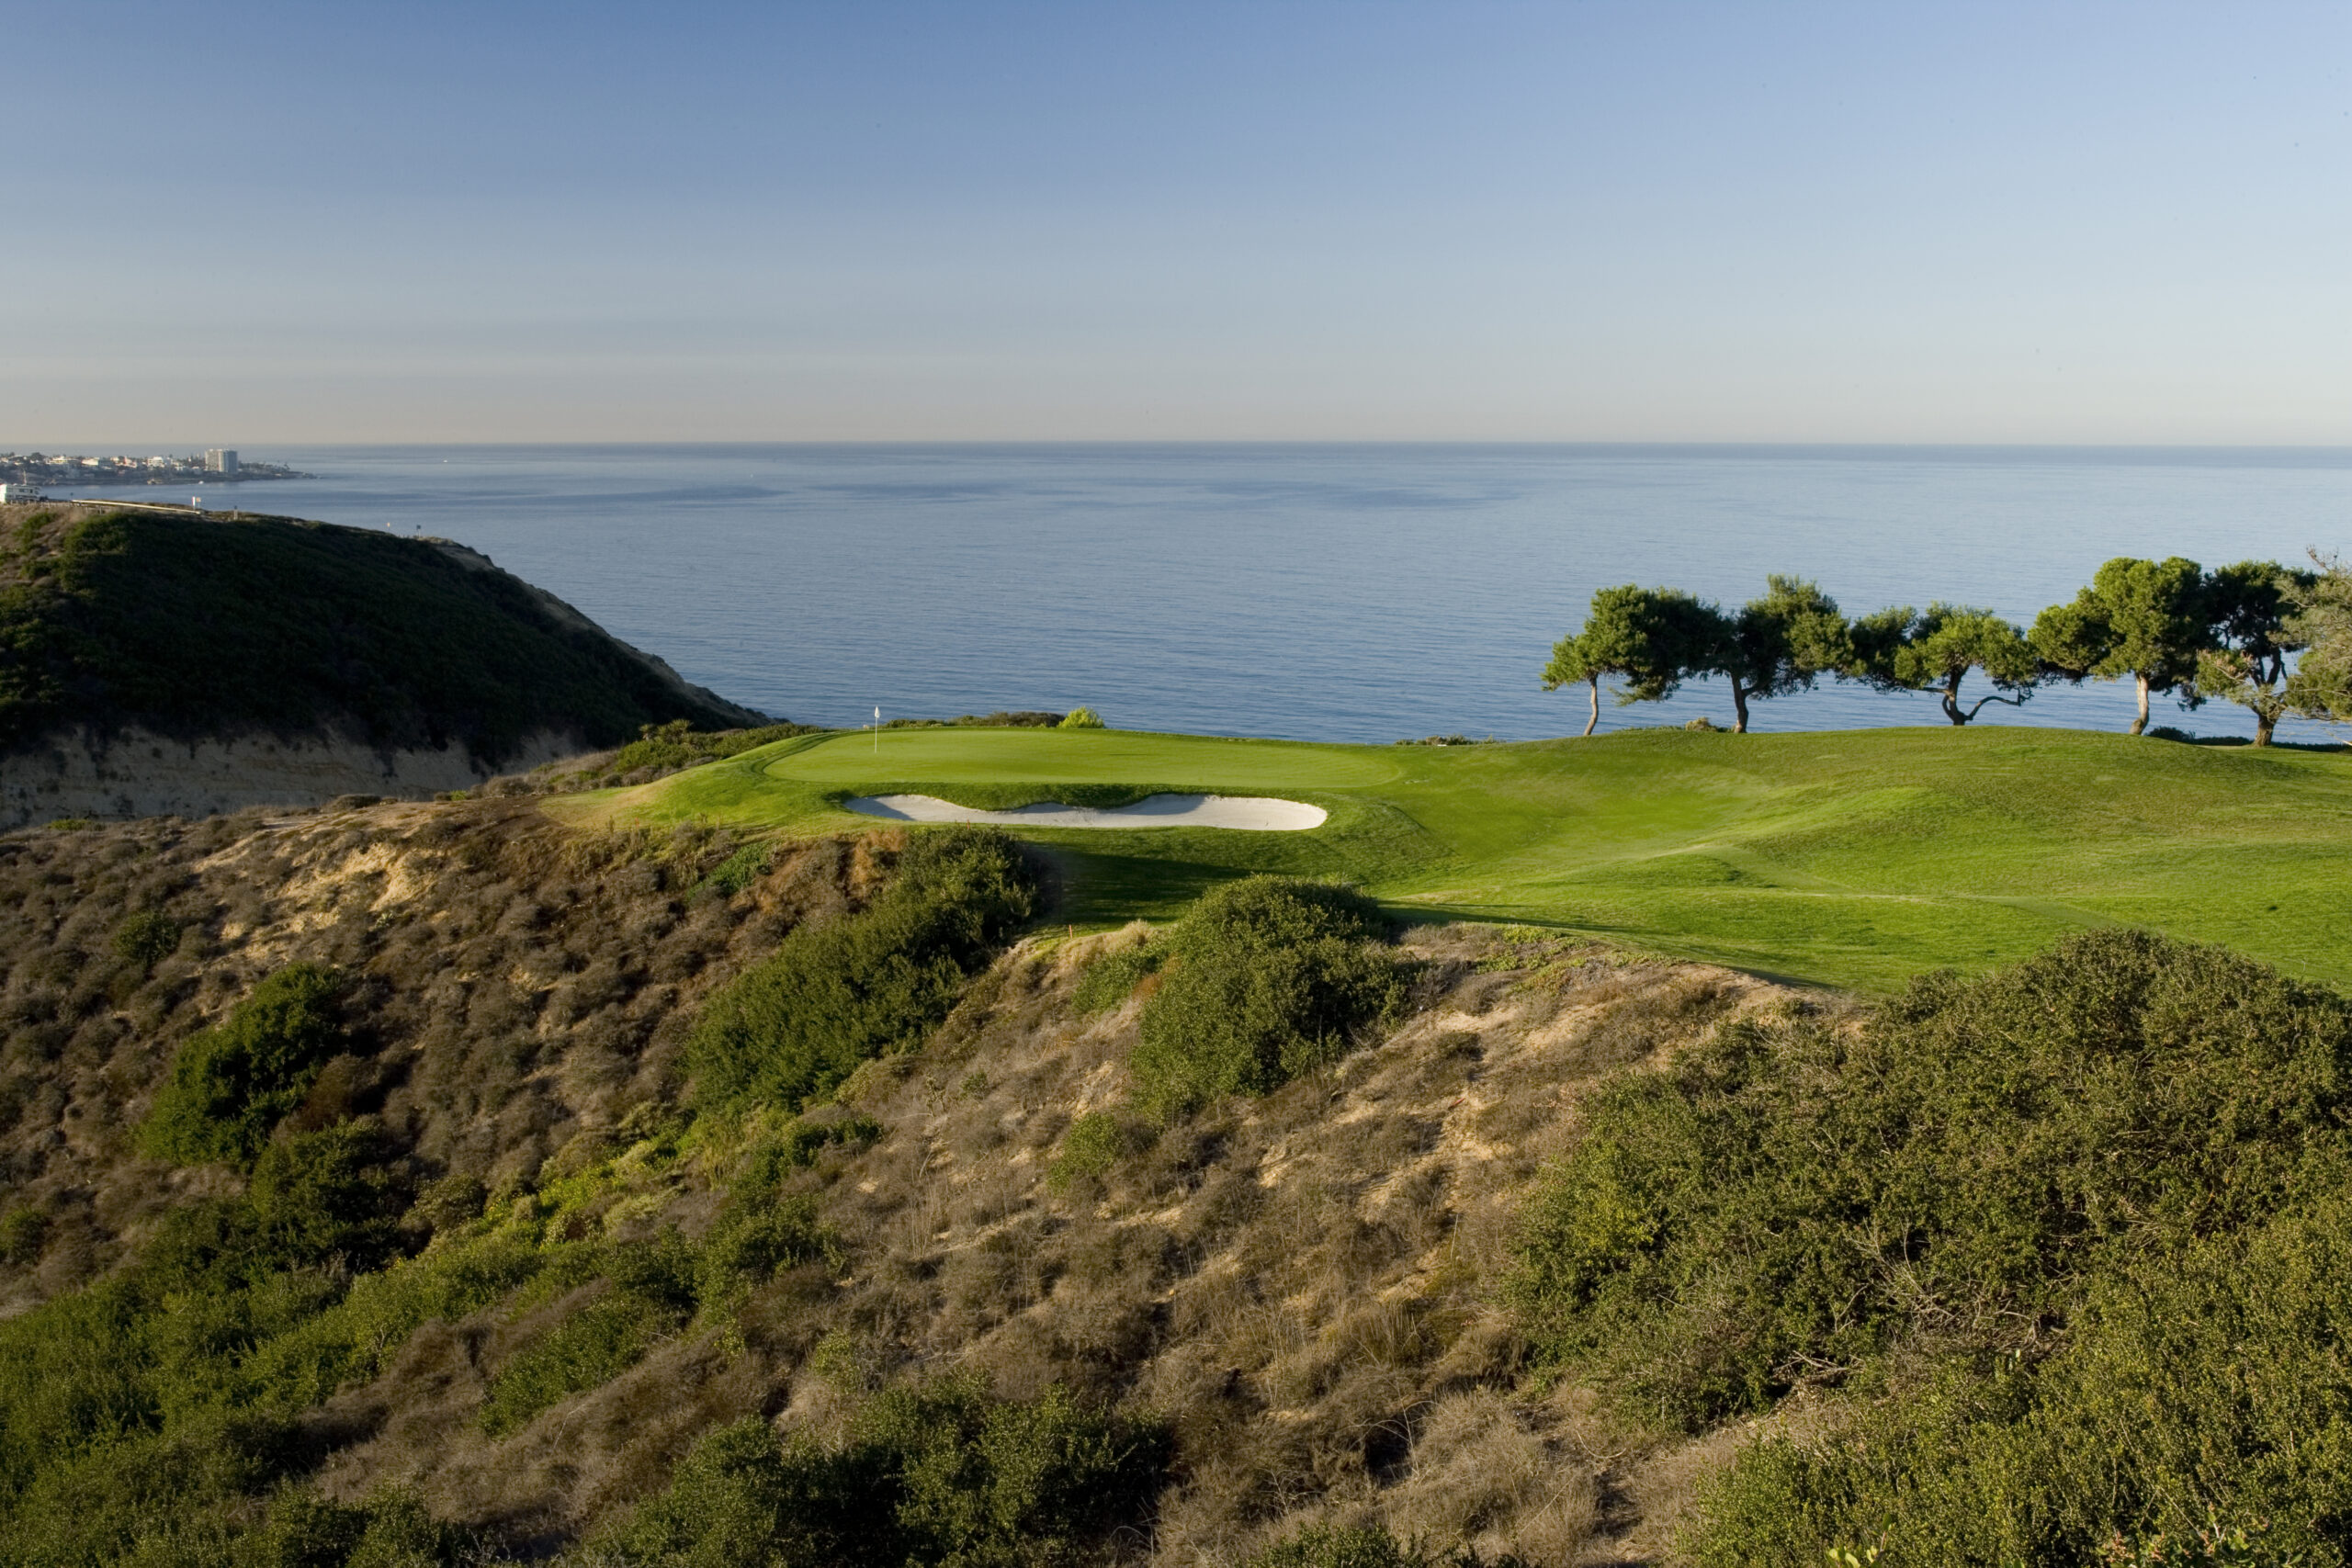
{"x": 2032, "y": 222}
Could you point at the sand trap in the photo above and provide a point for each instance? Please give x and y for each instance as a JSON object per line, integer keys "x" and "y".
{"x": 1250, "y": 813}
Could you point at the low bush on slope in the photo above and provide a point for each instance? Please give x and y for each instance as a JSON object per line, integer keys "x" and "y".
{"x": 934, "y": 1473}
{"x": 1263, "y": 979}
{"x": 834, "y": 996}
{"x": 2071, "y": 1239}
{"x": 230, "y": 1084}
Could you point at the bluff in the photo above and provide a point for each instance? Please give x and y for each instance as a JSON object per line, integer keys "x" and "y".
{"x": 155, "y": 661}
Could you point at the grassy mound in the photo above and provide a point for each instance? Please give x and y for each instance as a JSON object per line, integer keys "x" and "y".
{"x": 195, "y": 626}
{"x": 1856, "y": 858}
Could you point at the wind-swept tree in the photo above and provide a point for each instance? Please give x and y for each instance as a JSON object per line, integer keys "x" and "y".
{"x": 2321, "y": 686}
{"x": 2256, "y": 609}
{"x": 1649, "y": 638}
{"x": 2141, "y": 618}
{"x": 1910, "y": 650}
{"x": 1775, "y": 645}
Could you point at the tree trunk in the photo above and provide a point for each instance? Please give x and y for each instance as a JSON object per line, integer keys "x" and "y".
{"x": 2140, "y": 725}
{"x": 1739, "y": 707}
{"x": 1953, "y": 710}
{"x": 1590, "y": 723}
{"x": 2263, "y": 723}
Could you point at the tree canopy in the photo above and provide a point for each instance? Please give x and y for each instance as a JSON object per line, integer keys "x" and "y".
{"x": 2273, "y": 639}
{"x": 1933, "y": 650}
{"x": 2254, "y": 628}
{"x": 1650, "y": 639}
{"x": 2141, "y": 618}
{"x": 1778, "y": 644}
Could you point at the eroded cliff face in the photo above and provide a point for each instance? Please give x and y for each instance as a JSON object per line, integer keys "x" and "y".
{"x": 138, "y": 774}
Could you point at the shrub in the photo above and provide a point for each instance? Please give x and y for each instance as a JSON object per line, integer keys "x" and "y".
{"x": 2084, "y": 1218}
{"x": 941, "y": 1473}
{"x": 1368, "y": 1546}
{"x": 1111, "y": 979}
{"x": 833, "y": 996}
{"x": 230, "y": 1083}
{"x": 1263, "y": 979}
{"x": 24, "y": 1231}
{"x": 756, "y": 1236}
{"x": 741, "y": 869}
{"x": 1081, "y": 718}
{"x": 654, "y": 1291}
{"x": 1095, "y": 1143}
{"x": 318, "y": 1195}
{"x": 585, "y": 1350}
{"x": 147, "y": 938}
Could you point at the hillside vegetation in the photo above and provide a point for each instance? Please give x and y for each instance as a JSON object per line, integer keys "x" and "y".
{"x": 508, "y": 1274}
{"x": 195, "y": 627}
{"x": 1858, "y": 858}
{"x": 442, "y": 1184}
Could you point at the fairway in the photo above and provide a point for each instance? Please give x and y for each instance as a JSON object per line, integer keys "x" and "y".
{"x": 1853, "y": 858}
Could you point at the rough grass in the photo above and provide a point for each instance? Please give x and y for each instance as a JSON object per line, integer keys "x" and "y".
{"x": 1855, "y": 858}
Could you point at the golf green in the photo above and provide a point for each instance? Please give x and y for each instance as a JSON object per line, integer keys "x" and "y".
{"x": 1854, "y": 857}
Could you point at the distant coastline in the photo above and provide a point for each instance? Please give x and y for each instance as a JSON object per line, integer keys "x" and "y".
{"x": 34, "y": 470}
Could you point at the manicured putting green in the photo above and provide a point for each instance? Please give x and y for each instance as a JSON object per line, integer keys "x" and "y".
{"x": 1082, "y": 756}
{"x": 1855, "y": 857}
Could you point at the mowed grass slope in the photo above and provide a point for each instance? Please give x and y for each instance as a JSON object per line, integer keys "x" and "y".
{"x": 1852, "y": 858}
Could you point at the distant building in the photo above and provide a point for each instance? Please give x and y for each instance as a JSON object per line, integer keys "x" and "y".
{"x": 11, "y": 494}
{"x": 219, "y": 460}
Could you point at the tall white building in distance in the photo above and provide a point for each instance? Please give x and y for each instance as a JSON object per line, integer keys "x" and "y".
{"x": 219, "y": 460}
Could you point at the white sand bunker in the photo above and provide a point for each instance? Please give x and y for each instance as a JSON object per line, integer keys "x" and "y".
{"x": 1250, "y": 813}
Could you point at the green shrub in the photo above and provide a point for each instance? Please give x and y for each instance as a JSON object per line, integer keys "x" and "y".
{"x": 230, "y": 1084}
{"x": 654, "y": 1290}
{"x": 797, "y": 1148}
{"x": 755, "y": 1237}
{"x": 1081, "y": 718}
{"x": 24, "y": 1231}
{"x": 1111, "y": 979}
{"x": 792, "y": 1028}
{"x": 1367, "y": 1545}
{"x": 938, "y": 1474}
{"x": 1095, "y": 1143}
{"x": 585, "y": 1350}
{"x": 741, "y": 869}
{"x": 1263, "y": 979}
{"x": 143, "y": 1417}
{"x": 2076, "y": 1235}
{"x": 320, "y": 1195}
{"x": 147, "y": 938}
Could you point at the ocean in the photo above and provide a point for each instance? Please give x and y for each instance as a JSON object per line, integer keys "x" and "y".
{"x": 1324, "y": 592}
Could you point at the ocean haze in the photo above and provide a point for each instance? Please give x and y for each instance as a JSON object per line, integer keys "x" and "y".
{"x": 1358, "y": 592}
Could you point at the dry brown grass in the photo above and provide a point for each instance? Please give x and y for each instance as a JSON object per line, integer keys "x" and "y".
{"x": 516, "y": 983}
{"x": 1304, "y": 1287}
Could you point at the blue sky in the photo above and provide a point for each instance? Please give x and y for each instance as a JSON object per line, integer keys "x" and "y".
{"x": 1359, "y": 222}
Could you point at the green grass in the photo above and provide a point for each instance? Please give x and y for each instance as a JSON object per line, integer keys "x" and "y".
{"x": 1852, "y": 858}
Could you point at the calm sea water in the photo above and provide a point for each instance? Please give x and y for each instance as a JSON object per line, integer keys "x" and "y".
{"x": 1323, "y": 592}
